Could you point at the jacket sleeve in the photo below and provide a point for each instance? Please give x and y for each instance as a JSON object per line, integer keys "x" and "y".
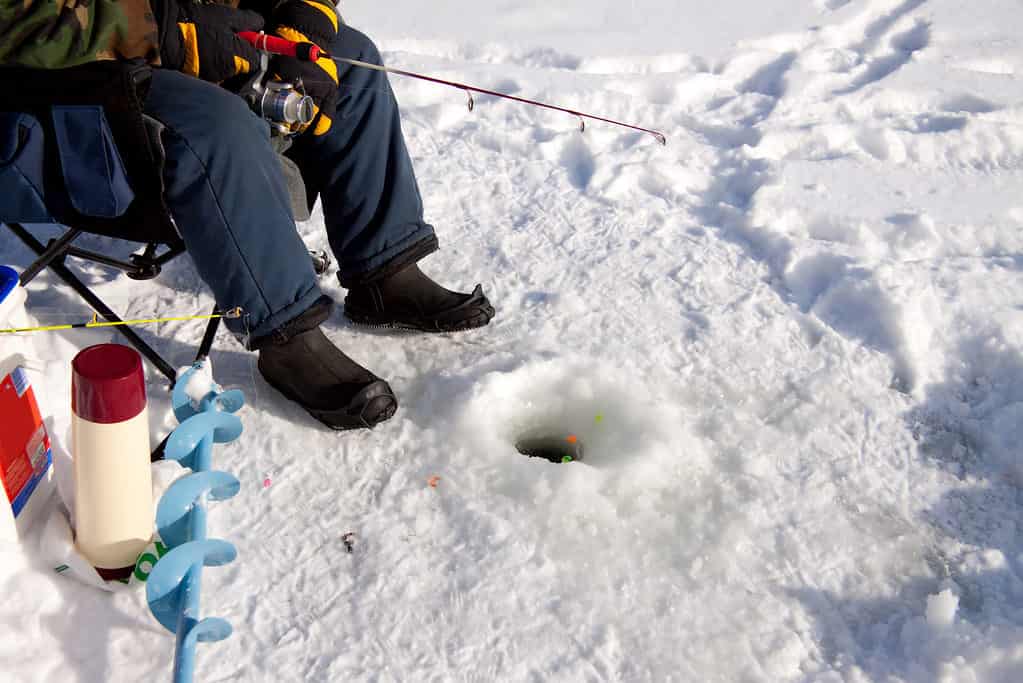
{"x": 314, "y": 21}
{"x": 50, "y": 35}
{"x": 264, "y": 7}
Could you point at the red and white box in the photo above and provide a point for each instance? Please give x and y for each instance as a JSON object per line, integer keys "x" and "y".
{"x": 25, "y": 456}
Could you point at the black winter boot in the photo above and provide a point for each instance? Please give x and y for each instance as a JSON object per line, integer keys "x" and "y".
{"x": 300, "y": 362}
{"x": 409, "y": 299}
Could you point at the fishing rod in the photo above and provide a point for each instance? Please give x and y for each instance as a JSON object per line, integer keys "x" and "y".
{"x": 308, "y": 52}
{"x": 95, "y": 322}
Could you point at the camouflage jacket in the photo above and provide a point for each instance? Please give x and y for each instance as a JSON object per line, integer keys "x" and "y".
{"x": 52, "y": 34}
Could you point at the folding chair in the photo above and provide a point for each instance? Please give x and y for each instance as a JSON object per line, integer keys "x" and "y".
{"x": 142, "y": 267}
{"x": 77, "y": 150}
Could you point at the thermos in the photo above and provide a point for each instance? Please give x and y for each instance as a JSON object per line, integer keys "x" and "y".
{"x": 110, "y": 444}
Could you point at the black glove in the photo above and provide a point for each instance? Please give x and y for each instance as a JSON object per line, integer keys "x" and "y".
{"x": 200, "y": 40}
{"x": 309, "y": 21}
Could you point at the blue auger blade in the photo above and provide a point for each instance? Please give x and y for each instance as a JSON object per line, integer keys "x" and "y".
{"x": 163, "y": 588}
{"x": 182, "y": 410}
{"x": 205, "y": 631}
{"x": 166, "y": 608}
{"x": 209, "y": 630}
{"x": 186, "y": 437}
{"x": 184, "y": 407}
{"x": 231, "y": 401}
{"x": 180, "y": 400}
{"x": 172, "y": 512}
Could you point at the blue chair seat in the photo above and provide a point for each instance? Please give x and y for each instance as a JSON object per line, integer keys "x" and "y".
{"x": 76, "y": 150}
{"x": 92, "y": 179}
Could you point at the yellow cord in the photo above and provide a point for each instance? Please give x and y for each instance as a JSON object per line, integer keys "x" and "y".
{"x": 95, "y": 322}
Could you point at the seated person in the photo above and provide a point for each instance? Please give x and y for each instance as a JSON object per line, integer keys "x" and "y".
{"x": 227, "y": 193}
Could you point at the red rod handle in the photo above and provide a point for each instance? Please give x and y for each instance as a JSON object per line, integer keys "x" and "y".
{"x": 305, "y": 52}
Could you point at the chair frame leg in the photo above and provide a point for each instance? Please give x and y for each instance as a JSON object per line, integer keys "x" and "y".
{"x": 55, "y": 263}
{"x": 53, "y": 251}
{"x": 207, "y": 337}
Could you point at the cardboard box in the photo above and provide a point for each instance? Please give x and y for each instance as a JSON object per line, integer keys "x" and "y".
{"x": 25, "y": 456}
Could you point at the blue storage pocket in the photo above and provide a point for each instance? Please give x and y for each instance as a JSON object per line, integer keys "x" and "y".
{"x": 21, "y": 170}
{"x": 94, "y": 174}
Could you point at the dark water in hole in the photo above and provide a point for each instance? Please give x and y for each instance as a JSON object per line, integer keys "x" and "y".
{"x": 557, "y": 449}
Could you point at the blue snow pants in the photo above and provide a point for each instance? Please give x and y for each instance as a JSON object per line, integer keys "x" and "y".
{"x": 229, "y": 200}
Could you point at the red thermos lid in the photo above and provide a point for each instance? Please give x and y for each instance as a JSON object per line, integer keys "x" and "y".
{"x": 107, "y": 384}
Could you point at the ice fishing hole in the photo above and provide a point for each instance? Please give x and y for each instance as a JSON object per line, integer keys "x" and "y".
{"x": 557, "y": 448}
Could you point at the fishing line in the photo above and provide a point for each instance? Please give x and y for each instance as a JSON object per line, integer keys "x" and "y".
{"x": 96, "y": 322}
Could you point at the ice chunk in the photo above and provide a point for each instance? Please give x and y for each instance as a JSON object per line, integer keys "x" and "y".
{"x": 200, "y": 382}
{"x": 941, "y": 608}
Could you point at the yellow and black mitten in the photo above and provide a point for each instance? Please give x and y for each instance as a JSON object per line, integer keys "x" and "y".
{"x": 309, "y": 21}
{"x": 200, "y": 40}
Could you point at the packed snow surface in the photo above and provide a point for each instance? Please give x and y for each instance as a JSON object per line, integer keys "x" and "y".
{"x": 791, "y": 341}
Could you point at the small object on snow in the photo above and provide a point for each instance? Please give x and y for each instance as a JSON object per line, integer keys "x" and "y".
{"x": 556, "y": 449}
{"x": 598, "y": 419}
{"x": 267, "y": 481}
{"x": 433, "y": 481}
{"x": 321, "y": 260}
{"x": 349, "y": 540}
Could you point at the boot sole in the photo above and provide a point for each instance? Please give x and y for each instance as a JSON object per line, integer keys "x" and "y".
{"x": 340, "y": 419}
{"x": 482, "y": 313}
{"x": 473, "y": 323}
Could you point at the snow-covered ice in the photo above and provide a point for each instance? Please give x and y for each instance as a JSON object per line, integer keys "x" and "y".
{"x": 791, "y": 341}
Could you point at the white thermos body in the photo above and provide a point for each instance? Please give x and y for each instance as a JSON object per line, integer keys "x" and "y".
{"x": 110, "y": 445}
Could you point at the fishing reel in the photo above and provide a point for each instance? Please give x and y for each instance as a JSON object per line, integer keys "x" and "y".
{"x": 283, "y": 105}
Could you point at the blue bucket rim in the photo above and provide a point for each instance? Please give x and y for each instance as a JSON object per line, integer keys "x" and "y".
{"x": 8, "y": 281}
